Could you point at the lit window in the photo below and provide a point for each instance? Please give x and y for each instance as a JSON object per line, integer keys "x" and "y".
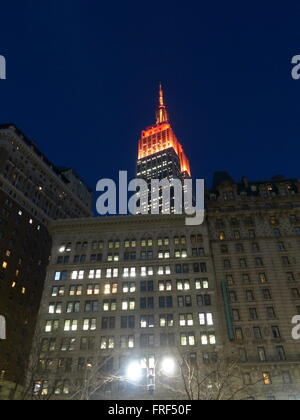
{"x": 160, "y": 270}
{"x": 204, "y": 340}
{"x": 266, "y": 378}
{"x": 48, "y": 327}
{"x": 222, "y": 236}
{"x": 168, "y": 285}
{"x": 191, "y": 339}
{"x": 212, "y": 339}
{"x": 107, "y": 289}
{"x": 202, "y": 319}
{"x": 209, "y": 319}
{"x": 131, "y": 341}
{"x": 182, "y": 320}
{"x": 183, "y": 339}
{"x": 62, "y": 248}
{"x": 71, "y": 325}
{"x": 162, "y": 321}
{"x": 74, "y": 275}
{"x": 161, "y": 286}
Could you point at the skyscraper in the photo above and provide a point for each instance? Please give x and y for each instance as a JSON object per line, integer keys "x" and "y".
{"x": 33, "y": 192}
{"x": 160, "y": 155}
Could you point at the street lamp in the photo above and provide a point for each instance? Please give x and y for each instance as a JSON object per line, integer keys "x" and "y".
{"x": 168, "y": 366}
{"x": 134, "y": 371}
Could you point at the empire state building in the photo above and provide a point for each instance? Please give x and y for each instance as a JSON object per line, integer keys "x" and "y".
{"x": 160, "y": 155}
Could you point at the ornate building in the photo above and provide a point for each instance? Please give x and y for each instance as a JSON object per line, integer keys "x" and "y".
{"x": 254, "y": 232}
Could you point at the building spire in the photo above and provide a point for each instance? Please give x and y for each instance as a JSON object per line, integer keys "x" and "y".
{"x": 161, "y": 113}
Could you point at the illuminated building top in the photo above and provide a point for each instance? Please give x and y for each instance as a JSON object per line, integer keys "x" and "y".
{"x": 161, "y": 136}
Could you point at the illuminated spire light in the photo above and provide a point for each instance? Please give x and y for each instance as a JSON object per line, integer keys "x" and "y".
{"x": 161, "y": 113}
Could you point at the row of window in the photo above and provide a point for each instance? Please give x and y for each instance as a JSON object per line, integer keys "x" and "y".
{"x": 262, "y": 278}
{"x": 129, "y": 243}
{"x": 258, "y": 262}
{"x": 130, "y": 341}
{"x": 130, "y": 272}
{"x": 144, "y": 255}
{"x": 262, "y": 355}
{"x": 249, "y": 221}
{"x": 64, "y": 386}
{"x": 240, "y": 248}
{"x": 266, "y": 379}
{"x": 257, "y": 333}
{"x": 251, "y": 234}
{"x": 130, "y": 287}
{"x": 130, "y": 304}
{"x": 265, "y": 293}
{"x": 126, "y": 304}
{"x": 253, "y": 314}
{"x": 146, "y": 321}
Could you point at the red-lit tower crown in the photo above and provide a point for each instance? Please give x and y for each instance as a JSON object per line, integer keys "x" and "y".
{"x": 161, "y": 136}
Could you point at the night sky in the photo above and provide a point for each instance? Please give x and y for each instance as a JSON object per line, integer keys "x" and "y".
{"x": 83, "y": 75}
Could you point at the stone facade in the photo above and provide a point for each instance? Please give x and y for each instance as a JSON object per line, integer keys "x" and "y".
{"x": 142, "y": 288}
{"x": 255, "y": 242}
{"x": 132, "y": 288}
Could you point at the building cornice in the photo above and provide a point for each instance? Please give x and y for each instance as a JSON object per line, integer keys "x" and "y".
{"x": 110, "y": 222}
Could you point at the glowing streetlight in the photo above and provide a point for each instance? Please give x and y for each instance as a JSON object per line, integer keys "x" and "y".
{"x": 168, "y": 366}
{"x": 134, "y": 371}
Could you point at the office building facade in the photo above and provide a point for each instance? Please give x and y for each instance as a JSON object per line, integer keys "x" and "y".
{"x": 135, "y": 291}
{"x": 32, "y": 193}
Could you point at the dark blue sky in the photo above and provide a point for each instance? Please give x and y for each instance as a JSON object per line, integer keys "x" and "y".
{"x": 83, "y": 78}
